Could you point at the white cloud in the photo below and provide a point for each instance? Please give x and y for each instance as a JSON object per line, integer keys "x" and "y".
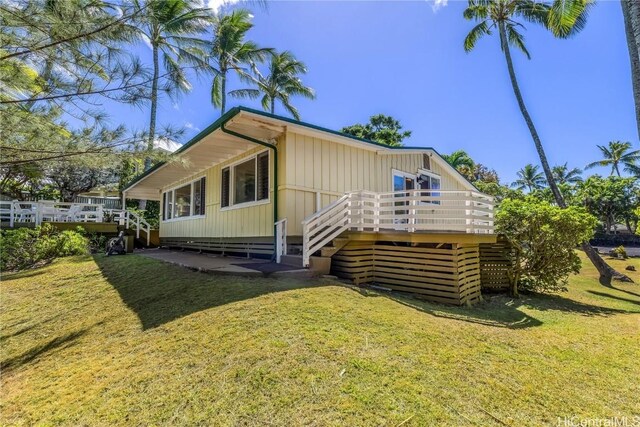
{"x": 146, "y": 40}
{"x": 216, "y": 5}
{"x": 190, "y": 125}
{"x": 438, "y": 4}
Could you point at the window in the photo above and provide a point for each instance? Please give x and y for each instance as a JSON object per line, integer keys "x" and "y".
{"x": 402, "y": 181}
{"x": 185, "y": 201}
{"x": 429, "y": 181}
{"x": 168, "y": 205}
{"x": 182, "y": 201}
{"x": 198, "y": 197}
{"x": 245, "y": 182}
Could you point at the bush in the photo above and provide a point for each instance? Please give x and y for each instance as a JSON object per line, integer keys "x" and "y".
{"x": 619, "y": 252}
{"x": 25, "y": 248}
{"x": 544, "y": 238}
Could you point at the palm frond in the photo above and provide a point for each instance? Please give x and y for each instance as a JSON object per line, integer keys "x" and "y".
{"x": 516, "y": 39}
{"x": 475, "y": 34}
{"x": 568, "y": 17}
{"x": 216, "y": 91}
{"x": 245, "y": 93}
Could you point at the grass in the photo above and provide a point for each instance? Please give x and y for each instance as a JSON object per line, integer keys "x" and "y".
{"x": 132, "y": 341}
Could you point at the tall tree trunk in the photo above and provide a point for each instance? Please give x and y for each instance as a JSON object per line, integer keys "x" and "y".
{"x": 152, "y": 119}
{"x": 223, "y": 86}
{"x": 273, "y": 105}
{"x": 630, "y": 12}
{"x": 606, "y": 272}
{"x": 617, "y": 169}
{"x": 527, "y": 118}
{"x": 154, "y": 107}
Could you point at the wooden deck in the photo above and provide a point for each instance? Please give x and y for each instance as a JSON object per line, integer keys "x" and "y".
{"x": 441, "y": 267}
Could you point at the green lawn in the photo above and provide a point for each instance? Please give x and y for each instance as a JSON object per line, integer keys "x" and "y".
{"x": 130, "y": 340}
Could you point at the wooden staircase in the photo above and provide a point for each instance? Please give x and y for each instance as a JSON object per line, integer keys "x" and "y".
{"x": 320, "y": 265}
{"x": 336, "y": 244}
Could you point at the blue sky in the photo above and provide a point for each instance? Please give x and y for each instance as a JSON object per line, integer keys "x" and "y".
{"x": 406, "y": 59}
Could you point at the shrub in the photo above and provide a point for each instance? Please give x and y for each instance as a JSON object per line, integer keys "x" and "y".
{"x": 24, "y": 248}
{"x": 543, "y": 238}
{"x": 619, "y": 252}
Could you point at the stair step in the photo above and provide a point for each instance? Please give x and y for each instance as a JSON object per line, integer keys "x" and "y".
{"x": 318, "y": 264}
{"x": 329, "y": 250}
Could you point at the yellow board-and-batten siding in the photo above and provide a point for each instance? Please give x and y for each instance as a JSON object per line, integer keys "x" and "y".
{"x": 313, "y": 172}
{"x": 248, "y": 221}
{"x": 314, "y": 165}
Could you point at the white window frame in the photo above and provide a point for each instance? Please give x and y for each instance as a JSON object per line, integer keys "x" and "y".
{"x": 431, "y": 174}
{"x": 396, "y": 172}
{"x": 231, "y": 166}
{"x": 191, "y": 206}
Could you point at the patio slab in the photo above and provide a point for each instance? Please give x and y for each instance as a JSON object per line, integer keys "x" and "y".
{"x": 204, "y": 262}
{"x": 214, "y": 263}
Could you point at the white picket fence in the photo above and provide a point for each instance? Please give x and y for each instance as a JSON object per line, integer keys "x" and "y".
{"x": 17, "y": 212}
{"x": 409, "y": 211}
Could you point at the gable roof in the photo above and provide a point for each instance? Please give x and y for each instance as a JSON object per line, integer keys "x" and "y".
{"x": 235, "y": 111}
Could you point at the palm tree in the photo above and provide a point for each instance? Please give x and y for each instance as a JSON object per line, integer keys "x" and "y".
{"x": 458, "y": 159}
{"x": 529, "y": 177}
{"x": 563, "y": 175}
{"x": 171, "y": 27}
{"x": 230, "y": 51}
{"x": 615, "y": 155}
{"x": 563, "y": 18}
{"x": 281, "y": 83}
{"x": 631, "y": 16}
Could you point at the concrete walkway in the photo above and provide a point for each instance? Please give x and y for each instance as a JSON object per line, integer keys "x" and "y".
{"x": 219, "y": 264}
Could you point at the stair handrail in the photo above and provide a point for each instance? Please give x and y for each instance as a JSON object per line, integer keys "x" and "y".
{"x": 321, "y": 227}
{"x": 131, "y": 219}
{"x": 407, "y": 210}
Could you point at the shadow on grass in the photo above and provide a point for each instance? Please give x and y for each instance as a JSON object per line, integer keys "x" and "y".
{"x": 159, "y": 292}
{"x": 497, "y": 311}
{"x": 606, "y": 295}
{"x": 40, "y": 350}
{"x": 502, "y": 311}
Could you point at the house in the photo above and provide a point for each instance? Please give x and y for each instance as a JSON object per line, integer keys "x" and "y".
{"x": 256, "y": 183}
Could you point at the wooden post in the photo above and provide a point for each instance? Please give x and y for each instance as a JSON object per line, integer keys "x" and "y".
{"x": 137, "y": 227}
{"x": 376, "y": 210}
{"x": 12, "y": 213}
{"x": 38, "y": 213}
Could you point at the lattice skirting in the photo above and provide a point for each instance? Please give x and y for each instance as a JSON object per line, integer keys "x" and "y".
{"x": 447, "y": 273}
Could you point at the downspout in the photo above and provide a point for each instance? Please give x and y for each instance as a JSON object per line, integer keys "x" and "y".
{"x": 275, "y": 176}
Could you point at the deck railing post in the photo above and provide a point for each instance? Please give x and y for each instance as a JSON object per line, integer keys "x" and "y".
{"x": 137, "y": 227}
{"x": 376, "y": 212}
{"x": 12, "y": 213}
{"x": 39, "y": 208}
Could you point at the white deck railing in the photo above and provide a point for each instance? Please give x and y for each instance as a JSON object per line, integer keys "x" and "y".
{"x": 409, "y": 211}
{"x": 15, "y": 212}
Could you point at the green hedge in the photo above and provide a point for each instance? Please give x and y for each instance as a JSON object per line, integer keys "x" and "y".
{"x": 24, "y": 248}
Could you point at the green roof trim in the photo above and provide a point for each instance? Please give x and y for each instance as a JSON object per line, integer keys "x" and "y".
{"x": 236, "y": 110}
